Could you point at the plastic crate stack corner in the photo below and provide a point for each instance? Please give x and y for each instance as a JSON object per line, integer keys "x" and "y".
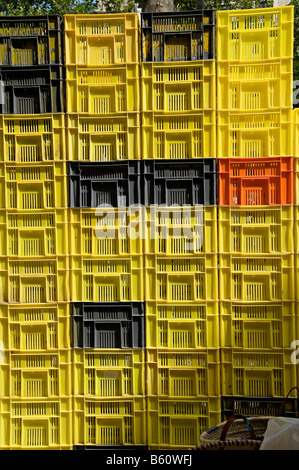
{"x": 179, "y": 183}
{"x": 258, "y": 309}
{"x": 35, "y": 368}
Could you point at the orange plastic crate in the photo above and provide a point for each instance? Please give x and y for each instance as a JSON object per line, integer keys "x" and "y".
{"x": 252, "y": 182}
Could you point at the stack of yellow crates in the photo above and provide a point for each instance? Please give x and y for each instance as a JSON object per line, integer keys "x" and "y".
{"x": 35, "y": 366}
{"x": 106, "y": 264}
{"x": 255, "y": 214}
{"x": 178, "y": 115}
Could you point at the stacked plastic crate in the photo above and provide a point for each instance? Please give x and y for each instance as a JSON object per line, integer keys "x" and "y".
{"x": 178, "y": 118}
{"x": 295, "y": 344}
{"x": 255, "y": 214}
{"x": 106, "y": 263}
{"x": 35, "y": 366}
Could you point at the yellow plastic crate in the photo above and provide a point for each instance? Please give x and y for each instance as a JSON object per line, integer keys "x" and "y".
{"x": 182, "y": 326}
{"x": 296, "y": 131}
{"x": 257, "y": 374}
{"x": 105, "y": 232}
{"x": 255, "y": 35}
{"x": 255, "y": 135}
{"x": 180, "y": 230}
{"x": 43, "y": 233}
{"x": 101, "y": 39}
{"x": 103, "y": 138}
{"x": 102, "y": 90}
{"x": 36, "y": 374}
{"x": 256, "y": 278}
{"x": 33, "y": 187}
{"x": 100, "y": 279}
{"x": 34, "y": 281}
{"x": 110, "y": 422}
{"x": 296, "y": 227}
{"x": 34, "y": 138}
{"x": 181, "y": 278}
{"x": 37, "y": 424}
{"x": 178, "y": 87}
{"x": 35, "y": 327}
{"x": 177, "y": 136}
{"x": 108, "y": 374}
{"x": 255, "y": 86}
{"x": 177, "y": 424}
{"x": 183, "y": 373}
{"x": 262, "y": 230}
{"x": 255, "y": 326}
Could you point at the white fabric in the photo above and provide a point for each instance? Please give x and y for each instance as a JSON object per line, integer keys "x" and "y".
{"x": 281, "y": 434}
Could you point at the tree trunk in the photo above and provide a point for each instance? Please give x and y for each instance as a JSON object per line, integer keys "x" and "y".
{"x": 149, "y": 6}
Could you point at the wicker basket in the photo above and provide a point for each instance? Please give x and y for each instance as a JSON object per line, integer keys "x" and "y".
{"x": 238, "y": 432}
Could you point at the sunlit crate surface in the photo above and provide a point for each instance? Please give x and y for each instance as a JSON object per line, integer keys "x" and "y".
{"x": 180, "y": 230}
{"x": 38, "y": 424}
{"x": 256, "y": 34}
{"x": 255, "y": 135}
{"x": 102, "y": 90}
{"x": 177, "y": 136}
{"x": 183, "y": 87}
{"x": 108, "y": 374}
{"x": 182, "y": 326}
{"x": 35, "y": 327}
{"x": 256, "y": 230}
{"x": 101, "y": 39}
{"x": 182, "y": 373}
{"x": 177, "y": 424}
{"x": 257, "y": 326}
{"x": 36, "y": 374}
{"x": 255, "y": 181}
{"x": 181, "y": 278}
{"x": 106, "y": 232}
{"x": 296, "y": 130}
{"x": 31, "y": 187}
{"x": 257, "y": 373}
{"x": 34, "y": 138}
{"x": 108, "y": 325}
{"x": 257, "y": 278}
{"x": 32, "y": 90}
{"x": 98, "y": 279}
{"x": 34, "y": 281}
{"x": 178, "y": 36}
{"x": 252, "y": 86}
{"x": 104, "y": 137}
{"x": 31, "y": 41}
{"x": 110, "y": 422}
{"x": 43, "y": 233}
{"x": 296, "y": 227}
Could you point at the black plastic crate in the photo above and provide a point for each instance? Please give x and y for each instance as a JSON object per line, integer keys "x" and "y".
{"x": 180, "y": 182}
{"x": 258, "y": 406}
{"x": 32, "y": 90}
{"x": 178, "y": 36}
{"x": 113, "y": 325}
{"x": 112, "y": 184}
{"x": 31, "y": 40}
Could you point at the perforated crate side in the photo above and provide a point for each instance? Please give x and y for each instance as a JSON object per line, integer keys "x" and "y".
{"x": 31, "y": 41}
{"x": 256, "y": 230}
{"x": 255, "y": 35}
{"x": 108, "y": 325}
{"x": 183, "y": 325}
{"x": 178, "y": 36}
{"x": 182, "y": 182}
{"x": 102, "y": 184}
{"x": 255, "y": 182}
{"x": 42, "y": 327}
{"x": 36, "y": 424}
